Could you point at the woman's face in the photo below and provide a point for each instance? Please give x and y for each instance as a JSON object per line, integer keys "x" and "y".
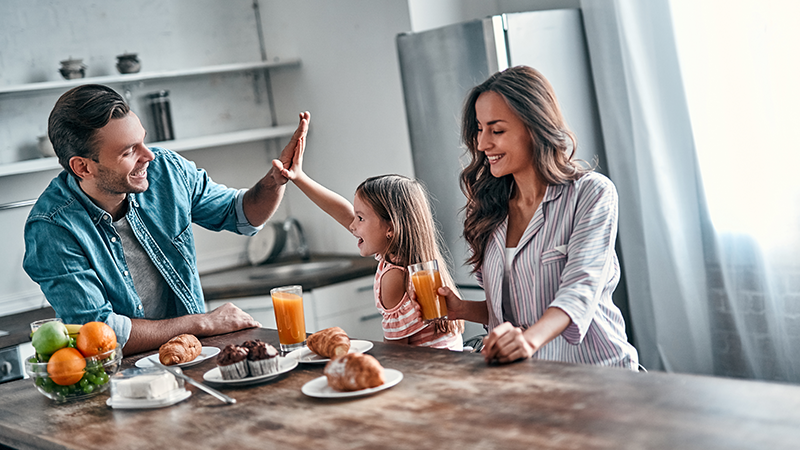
{"x": 370, "y": 230}
{"x": 502, "y": 136}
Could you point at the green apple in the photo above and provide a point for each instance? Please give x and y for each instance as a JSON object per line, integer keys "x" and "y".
{"x": 50, "y": 337}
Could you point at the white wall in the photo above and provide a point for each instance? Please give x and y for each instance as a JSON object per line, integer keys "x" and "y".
{"x": 349, "y": 80}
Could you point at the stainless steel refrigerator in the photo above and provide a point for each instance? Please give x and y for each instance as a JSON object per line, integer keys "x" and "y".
{"x": 440, "y": 66}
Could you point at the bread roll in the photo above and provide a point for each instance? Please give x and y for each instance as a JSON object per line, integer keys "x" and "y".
{"x": 353, "y": 372}
{"x": 329, "y": 343}
{"x": 180, "y": 349}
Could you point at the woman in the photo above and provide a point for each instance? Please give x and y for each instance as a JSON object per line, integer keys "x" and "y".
{"x": 541, "y": 230}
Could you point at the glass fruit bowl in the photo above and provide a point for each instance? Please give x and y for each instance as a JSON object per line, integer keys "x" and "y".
{"x": 90, "y": 380}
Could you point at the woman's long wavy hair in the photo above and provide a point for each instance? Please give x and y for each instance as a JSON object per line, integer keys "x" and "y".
{"x": 403, "y": 203}
{"x": 528, "y": 93}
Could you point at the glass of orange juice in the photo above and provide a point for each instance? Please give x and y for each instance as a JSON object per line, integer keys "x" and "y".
{"x": 426, "y": 280}
{"x": 288, "y": 304}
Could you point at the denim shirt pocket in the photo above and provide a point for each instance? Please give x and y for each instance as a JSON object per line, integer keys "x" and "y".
{"x": 184, "y": 243}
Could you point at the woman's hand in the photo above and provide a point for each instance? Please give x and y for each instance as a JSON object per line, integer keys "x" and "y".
{"x": 474, "y": 311}
{"x": 290, "y": 163}
{"x": 505, "y": 344}
{"x": 455, "y": 306}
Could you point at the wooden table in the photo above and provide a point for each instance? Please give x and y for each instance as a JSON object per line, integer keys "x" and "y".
{"x": 446, "y": 400}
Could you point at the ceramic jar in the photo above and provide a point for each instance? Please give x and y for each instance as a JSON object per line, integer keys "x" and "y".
{"x": 128, "y": 63}
{"x": 72, "y": 69}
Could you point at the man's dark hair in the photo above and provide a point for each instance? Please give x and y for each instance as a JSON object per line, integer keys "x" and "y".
{"x": 77, "y": 116}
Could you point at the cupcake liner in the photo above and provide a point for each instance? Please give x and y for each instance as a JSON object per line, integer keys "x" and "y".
{"x": 235, "y": 371}
{"x": 263, "y": 366}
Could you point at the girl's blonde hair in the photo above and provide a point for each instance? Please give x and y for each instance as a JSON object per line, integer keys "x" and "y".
{"x": 403, "y": 203}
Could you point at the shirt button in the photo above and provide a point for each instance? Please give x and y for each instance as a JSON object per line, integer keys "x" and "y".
{"x": 105, "y": 217}
{"x": 125, "y": 273}
{"x": 140, "y": 307}
{"x": 113, "y": 239}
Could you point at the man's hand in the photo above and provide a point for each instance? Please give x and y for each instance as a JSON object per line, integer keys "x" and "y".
{"x": 289, "y": 163}
{"x": 226, "y": 319}
{"x": 151, "y": 334}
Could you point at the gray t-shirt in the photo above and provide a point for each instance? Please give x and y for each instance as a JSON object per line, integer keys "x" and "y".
{"x": 147, "y": 280}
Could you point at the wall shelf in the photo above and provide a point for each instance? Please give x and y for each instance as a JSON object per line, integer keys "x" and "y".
{"x": 143, "y": 76}
{"x": 178, "y": 145}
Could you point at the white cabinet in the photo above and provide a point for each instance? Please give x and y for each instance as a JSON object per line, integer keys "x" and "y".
{"x": 351, "y": 306}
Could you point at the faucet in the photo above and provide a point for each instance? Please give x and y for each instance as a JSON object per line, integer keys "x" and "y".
{"x": 302, "y": 246}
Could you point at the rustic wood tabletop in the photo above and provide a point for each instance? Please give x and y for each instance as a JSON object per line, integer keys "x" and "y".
{"x": 445, "y": 400}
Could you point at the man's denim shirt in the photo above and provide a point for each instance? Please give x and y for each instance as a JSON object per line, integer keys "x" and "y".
{"x": 75, "y": 255}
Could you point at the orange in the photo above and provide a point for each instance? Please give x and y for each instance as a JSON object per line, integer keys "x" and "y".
{"x": 95, "y": 338}
{"x": 66, "y": 366}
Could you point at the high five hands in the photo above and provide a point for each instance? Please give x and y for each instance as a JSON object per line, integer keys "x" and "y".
{"x": 290, "y": 163}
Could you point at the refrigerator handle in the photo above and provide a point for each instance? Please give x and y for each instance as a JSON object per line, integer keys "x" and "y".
{"x": 494, "y": 34}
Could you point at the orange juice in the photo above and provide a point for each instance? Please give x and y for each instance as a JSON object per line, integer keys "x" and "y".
{"x": 289, "y": 318}
{"x": 426, "y": 282}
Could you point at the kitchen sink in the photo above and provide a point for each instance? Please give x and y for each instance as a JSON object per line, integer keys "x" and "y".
{"x": 300, "y": 269}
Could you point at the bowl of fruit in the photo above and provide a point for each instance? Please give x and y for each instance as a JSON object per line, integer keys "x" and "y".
{"x": 73, "y": 362}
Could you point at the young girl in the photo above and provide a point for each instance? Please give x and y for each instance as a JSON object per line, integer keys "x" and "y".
{"x": 391, "y": 218}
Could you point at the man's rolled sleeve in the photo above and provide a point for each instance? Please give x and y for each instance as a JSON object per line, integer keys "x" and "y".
{"x": 242, "y": 224}
{"x": 122, "y": 327}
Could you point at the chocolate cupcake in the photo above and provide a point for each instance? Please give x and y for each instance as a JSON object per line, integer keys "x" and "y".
{"x": 262, "y": 358}
{"x": 232, "y": 362}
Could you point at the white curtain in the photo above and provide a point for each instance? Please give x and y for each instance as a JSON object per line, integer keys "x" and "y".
{"x": 740, "y": 61}
{"x": 652, "y": 161}
{"x": 713, "y": 280}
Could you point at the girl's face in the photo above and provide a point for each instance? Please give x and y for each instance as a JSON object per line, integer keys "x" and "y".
{"x": 370, "y": 230}
{"x": 502, "y": 136}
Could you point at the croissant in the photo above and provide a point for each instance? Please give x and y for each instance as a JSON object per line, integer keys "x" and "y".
{"x": 329, "y": 343}
{"x": 353, "y": 372}
{"x": 180, "y": 349}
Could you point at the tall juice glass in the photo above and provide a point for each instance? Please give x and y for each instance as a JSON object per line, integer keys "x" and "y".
{"x": 288, "y": 304}
{"x": 426, "y": 280}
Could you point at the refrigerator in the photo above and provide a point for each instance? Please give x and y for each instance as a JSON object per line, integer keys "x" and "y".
{"x": 439, "y": 67}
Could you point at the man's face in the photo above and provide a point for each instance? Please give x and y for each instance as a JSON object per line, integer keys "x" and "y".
{"x": 122, "y": 159}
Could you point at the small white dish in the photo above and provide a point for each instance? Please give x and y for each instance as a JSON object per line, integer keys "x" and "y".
{"x": 284, "y": 365}
{"x": 205, "y": 353}
{"x": 318, "y": 387}
{"x": 178, "y": 395}
{"x": 304, "y": 355}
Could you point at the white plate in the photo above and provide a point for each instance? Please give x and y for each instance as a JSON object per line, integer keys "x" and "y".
{"x": 284, "y": 365}
{"x": 304, "y": 355}
{"x": 178, "y": 395}
{"x": 318, "y": 387}
{"x": 205, "y": 353}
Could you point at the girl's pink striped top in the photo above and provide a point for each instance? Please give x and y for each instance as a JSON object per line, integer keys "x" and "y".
{"x": 565, "y": 259}
{"x": 405, "y": 319}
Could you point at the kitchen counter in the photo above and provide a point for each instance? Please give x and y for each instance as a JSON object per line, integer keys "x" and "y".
{"x": 249, "y": 281}
{"x": 18, "y": 325}
{"x": 243, "y": 281}
{"x": 445, "y": 400}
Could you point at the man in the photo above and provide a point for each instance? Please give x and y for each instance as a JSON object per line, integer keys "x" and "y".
{"x": 110, "y": 239}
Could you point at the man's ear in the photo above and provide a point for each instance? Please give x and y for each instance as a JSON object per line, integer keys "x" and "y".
{"x": 80, "y": 167}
